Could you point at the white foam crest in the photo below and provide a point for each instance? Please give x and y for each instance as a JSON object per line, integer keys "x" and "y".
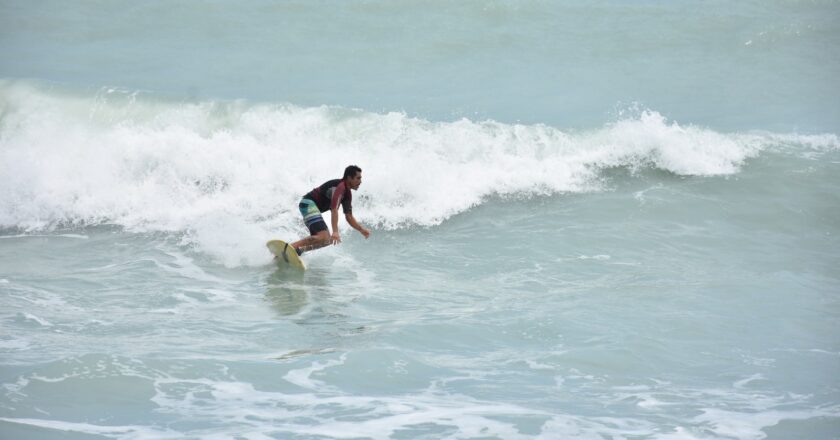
{"x": 230, "y": 173}
{"x": 684, "y": 150}
{"x": 303, "y": 377}
{"x": 264, "y": 412}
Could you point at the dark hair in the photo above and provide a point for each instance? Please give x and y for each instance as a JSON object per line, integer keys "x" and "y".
{"x": 351, "y": 171}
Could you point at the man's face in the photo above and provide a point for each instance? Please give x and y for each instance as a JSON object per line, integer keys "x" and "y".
{"x": 355, "y": 181}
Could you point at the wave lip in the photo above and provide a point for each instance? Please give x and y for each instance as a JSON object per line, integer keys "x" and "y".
{"x": 688, "y": 150}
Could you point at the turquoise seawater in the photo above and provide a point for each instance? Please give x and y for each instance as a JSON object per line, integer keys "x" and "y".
{"x": 599, "y": 220}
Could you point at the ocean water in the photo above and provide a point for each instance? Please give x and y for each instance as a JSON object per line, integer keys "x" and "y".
{"x": 592, "y": 220}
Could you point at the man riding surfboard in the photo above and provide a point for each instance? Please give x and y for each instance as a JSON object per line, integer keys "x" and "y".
{"x": 327, "y": 197}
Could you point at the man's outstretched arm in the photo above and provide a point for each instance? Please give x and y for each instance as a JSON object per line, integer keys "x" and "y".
{"x": 352, "y": 221}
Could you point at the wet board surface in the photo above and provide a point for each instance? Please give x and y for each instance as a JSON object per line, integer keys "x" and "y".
{"x": 285, "y": 254}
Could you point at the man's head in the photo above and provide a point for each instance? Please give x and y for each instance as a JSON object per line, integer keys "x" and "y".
{"x": 353, "y": 176}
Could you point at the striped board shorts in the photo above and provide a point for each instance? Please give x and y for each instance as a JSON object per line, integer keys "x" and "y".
{"x": 312, "y": 216}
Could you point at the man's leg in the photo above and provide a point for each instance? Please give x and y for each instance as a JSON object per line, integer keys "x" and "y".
{"x": 319, "y": 233}
{"x": 319, "y": 240}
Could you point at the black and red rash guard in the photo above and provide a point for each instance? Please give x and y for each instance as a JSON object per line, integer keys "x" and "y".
{"x": 330, "y": 195}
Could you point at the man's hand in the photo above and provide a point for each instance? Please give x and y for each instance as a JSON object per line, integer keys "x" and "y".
{"x": 336, "y": 238}
{"x": 365, "y": 232}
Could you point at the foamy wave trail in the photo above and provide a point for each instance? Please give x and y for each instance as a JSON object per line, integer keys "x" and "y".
{"x": 147, "y": 163}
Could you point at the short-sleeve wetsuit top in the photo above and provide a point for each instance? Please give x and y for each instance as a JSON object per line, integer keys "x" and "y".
{"x": 330, "y": 195}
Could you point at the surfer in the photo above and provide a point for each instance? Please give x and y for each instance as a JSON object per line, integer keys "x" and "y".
{"x": 327, "y": 197}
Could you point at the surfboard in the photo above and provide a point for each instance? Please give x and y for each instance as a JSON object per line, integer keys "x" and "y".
{"x": 285, "y": 254}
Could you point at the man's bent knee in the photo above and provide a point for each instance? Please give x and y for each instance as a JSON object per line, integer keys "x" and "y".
{"x": 322, "y": 237}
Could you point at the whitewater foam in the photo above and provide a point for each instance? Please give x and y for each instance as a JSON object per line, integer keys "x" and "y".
{"x": 218, "y": 169}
